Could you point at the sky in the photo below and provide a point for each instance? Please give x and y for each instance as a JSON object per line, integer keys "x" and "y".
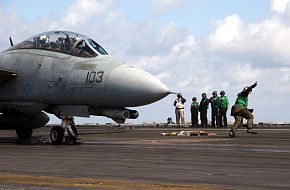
{"x": 192, "y": 46}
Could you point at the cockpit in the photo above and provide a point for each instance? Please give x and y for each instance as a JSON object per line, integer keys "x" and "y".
{"x": 63, "y": 41}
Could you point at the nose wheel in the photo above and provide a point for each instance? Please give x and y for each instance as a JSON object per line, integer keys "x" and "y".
{"x": 56, "y": 135}
{"x": 66, "y": 133}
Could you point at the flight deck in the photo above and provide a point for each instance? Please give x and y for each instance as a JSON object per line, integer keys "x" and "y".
{"x": 140, "y": 158}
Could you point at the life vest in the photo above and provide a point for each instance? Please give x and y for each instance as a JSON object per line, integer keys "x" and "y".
{"x": 179, "y": 104}
{"x": 242, "y": 100}
{"x": 194, "y": 106}
{"x": 223, "y": 102}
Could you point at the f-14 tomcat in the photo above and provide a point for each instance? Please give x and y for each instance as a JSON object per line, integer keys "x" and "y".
{"x": 68, "y": 74}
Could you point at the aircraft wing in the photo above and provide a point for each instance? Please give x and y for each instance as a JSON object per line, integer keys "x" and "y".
{"x": 6, "y": 75}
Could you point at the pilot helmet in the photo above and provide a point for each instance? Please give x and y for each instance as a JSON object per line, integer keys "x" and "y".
{"x": 44, "y": 38}
{"x": 77, "y": 38}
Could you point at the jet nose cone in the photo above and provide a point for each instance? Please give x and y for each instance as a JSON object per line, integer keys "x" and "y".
{"x": 130, "y": 86}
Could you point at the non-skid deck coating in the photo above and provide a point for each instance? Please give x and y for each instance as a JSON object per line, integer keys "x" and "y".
{"x": 122, "y": 158}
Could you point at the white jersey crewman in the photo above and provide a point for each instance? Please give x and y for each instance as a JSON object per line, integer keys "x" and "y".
{"x": 179, "y": 109}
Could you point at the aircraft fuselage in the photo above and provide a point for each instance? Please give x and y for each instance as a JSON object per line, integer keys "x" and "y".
{"x": 68, "y": 74}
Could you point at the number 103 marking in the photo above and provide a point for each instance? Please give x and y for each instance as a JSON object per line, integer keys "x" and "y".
{"x": 94, "y": 76}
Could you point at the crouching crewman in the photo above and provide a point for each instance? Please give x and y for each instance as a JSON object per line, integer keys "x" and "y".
{"x": 240, "y": 110}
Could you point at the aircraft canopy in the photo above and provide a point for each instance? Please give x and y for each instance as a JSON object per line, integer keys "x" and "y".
{"x": 64, "y": 42}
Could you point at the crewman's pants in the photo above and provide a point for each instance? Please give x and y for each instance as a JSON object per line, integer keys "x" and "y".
{"x": 179, "y": 116}
{"x": 194, "y": 118}
{"x": 214, "y": 117}
{"x": 223, "y": 117}
{"x": 203, "y": 118}
{"x": 239, "y": 118}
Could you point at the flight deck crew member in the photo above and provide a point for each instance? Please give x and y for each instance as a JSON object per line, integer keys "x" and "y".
{"x": 223, "y": 104}
{"x": 179, "y": 109}
{"x": 194, "y": 112}
{"x": 240, "y": 110}
{"x": 214, "y": 109}
{"x": 203, "y": 106}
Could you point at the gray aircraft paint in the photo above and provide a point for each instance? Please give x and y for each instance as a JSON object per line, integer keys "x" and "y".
{"x": 61, "y": 83}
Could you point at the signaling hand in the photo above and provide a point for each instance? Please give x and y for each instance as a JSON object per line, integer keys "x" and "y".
{"x": 254, "y": 85}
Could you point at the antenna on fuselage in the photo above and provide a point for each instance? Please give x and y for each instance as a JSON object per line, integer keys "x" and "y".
{"x": 11, "y": 42}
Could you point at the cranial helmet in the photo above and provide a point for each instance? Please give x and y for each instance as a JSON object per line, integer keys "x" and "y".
{"x": 246, "y": 88}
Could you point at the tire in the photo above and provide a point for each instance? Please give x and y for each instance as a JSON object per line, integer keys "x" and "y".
{"x": 24, "y": 133}
{"x": 56, "y": 135}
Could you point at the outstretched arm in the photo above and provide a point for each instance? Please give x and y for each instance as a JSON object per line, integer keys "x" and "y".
{"x": 253, "y": 86}
{"x": 249, "y": 89}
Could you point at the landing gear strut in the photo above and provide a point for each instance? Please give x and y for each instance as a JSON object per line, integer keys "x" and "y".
{"x": 67, "y": 132}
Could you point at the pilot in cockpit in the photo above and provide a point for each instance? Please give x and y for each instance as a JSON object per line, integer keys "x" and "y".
{"x": 83, "y": 50}
{"x": 43, "y": 41}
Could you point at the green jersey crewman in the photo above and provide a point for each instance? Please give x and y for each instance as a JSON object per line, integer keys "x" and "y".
{"x": 240, "y": 110}
{"x": 223, "y": 104}
{"x": 214, "y": 109}
{"x": 194, "y": 112}
{"x": 203, "y": 106}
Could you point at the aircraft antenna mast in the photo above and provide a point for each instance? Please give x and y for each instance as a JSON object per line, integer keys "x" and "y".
{"x": 11, "y": 42}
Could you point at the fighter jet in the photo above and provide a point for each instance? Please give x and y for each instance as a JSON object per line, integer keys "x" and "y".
{"x": 68, "y": 74}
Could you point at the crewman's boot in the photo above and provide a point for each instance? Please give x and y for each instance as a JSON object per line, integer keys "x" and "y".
{"x": 232, "y": 133}
{"x": 251, "y": 131}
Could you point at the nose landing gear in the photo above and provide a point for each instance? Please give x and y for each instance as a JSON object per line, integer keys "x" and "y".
{"x": 66, "y": 133}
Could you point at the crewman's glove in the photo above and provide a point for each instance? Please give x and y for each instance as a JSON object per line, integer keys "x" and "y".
{"x": 254, "y": 85}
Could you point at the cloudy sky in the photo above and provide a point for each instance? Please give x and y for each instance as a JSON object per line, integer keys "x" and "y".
{"x": 192, "y": 46}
